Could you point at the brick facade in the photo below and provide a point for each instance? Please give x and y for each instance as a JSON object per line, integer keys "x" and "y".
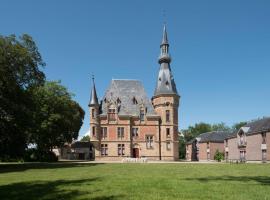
{"x": 253, "y": 148}
{"x": 205, "y": 151}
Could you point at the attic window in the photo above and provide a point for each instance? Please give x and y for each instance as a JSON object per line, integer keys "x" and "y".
{"x": 134, "y": 100}
{"x": 118, "y": 101}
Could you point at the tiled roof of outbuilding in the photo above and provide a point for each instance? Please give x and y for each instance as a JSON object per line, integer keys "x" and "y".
{"x": 214, "y": 136}
{"x": 129, "y": 96}
{"x": 258, "y": 125}
{"x": 81, "y": 144}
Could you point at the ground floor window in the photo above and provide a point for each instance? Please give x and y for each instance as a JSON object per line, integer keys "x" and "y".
{"x": 149, "y": 141}
{"x": 264, "y": 155}
{"x": 104, "y": 149}
{"x": 208, "y": 155}
{"x": 121, "y": 149}
{"x": 227, "y": 155}
{"x": 242, "y": 156}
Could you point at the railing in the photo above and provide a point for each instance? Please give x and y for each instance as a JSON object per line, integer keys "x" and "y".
{"x": 134, "y": 160}
{"x": 242, "y": 143}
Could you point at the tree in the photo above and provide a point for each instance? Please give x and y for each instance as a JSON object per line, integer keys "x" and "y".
{"x": 237, "y": 126}
{"x": 197, "y": 129}
{"x": 85, "y": 138}
{"x": 220, "y": 127}
{"x": 20, "y": 63}
{"x": 58, "y": 118}
{"x": 182, "y": 147}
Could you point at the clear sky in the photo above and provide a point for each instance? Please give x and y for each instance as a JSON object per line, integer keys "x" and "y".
{"x": 220, "y": 50}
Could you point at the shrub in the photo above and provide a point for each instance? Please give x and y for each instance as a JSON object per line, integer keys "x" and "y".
{"x": 34, "y": 155}
{"x": 219, "y": 156}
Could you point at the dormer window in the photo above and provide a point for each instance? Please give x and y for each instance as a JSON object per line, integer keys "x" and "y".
{"x": 142, "y": 115}
{"x": 118, "y": 101}
{"x": 111, "y": 113}
{"x": 134, "y": 101}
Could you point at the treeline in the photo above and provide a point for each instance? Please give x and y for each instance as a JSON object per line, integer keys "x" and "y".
{"x": 32, "y": 110}
{"x": 193, "y": 131}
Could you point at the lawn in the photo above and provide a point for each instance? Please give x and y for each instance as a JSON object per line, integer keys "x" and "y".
{"x": 70, "y": 181}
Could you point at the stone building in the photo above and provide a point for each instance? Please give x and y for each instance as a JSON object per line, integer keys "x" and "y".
{"x": 205, "y": 145}
{"x": 250, "y": 142}
{"x": 126, "y": 123}
{"x": 77, "y": 150}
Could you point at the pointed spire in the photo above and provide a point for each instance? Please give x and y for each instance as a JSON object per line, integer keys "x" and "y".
{"x": 164, "y": 48}
{"x": 164, "y": 37}
{"x": 93, "y": 97}
{"x": 165, "y": 82}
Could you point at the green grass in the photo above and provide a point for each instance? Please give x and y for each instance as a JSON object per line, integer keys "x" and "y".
{"x": 70, "y": 181}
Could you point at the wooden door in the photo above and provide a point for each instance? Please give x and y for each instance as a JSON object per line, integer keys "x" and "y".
{"x": 136, "y": 152}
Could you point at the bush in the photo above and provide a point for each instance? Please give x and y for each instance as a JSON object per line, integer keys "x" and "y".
{"x": 34, "y": 155}
{"x": 219, "y": 156}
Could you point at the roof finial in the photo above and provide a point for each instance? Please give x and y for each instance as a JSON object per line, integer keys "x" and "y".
{"x": 164, "y": 17}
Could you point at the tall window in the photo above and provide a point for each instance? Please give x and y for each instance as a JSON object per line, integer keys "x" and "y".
{"x": 94, "y": 131}
{"x": 120, "y": 132}
{"x": 103, "y": 132}
{"x": 149, "y": 141}
{"x": 264, "y": 158}
{"x": 226, "y": 143}
{"x": 142, "y": 115}
{"x": 264, "y": 138}
{"x": 167, "y": 116}
{"x": 208, "y": 145}
{"x": 111, "y": 113}
{"x": 121, "y": 149}
{"x": 93, "y": 113}
{"x": 168, "y": 145}
{"x": 104, "y": 149}
{"x": 135, "y": 132}
{"x": 168, "y": 134}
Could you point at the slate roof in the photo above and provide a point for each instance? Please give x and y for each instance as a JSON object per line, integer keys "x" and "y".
{"x": 81, "y": 144}
{"x": 258, "y": 126}
{"x": 165, "y": 83}
{"x": 122, "y": 94}
{"x": 214, "y": 136}
{"x": 93, "y": 96}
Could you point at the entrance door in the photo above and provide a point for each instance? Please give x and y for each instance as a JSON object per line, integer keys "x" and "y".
{"x": 81, "y": 156}
{"x": 135, "y": 152}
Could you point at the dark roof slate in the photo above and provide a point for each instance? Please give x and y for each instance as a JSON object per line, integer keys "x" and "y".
{"x": 214, "y": 136}
{"x": 122, "y": 94}
{"x": 258, "y": 125}
{"x": 81, "y": 144}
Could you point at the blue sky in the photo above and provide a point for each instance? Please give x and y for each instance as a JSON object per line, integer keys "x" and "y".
{"x": 220, "y": 50}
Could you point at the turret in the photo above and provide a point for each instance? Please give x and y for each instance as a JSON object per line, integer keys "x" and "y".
{"x": 94, "y": 113}
{"x": 166, "y": 102}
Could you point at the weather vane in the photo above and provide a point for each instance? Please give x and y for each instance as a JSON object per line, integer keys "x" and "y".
{"x": 164, "y": 16}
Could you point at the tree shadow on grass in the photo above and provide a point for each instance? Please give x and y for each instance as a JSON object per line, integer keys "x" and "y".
{"x": 48, "y": 190}
{"x": 263, "y": 180}
{"x": 17, "y": 167}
